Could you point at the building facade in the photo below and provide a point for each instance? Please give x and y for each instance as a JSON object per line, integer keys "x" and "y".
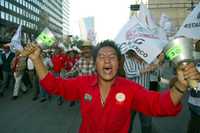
{"x": 34, "y": 15}
{"x": 52, "y": 12}
{"x": 66, "y": 15}
{"x": 16, "y": 12}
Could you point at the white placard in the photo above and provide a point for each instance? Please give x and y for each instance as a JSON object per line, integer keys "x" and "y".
{"x": 191, "y": 26}
{"x": 135, "y": 36}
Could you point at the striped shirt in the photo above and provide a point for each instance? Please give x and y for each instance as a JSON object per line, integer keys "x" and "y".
{"x": 132, "y": 69}
{"x": 194, "y": 95}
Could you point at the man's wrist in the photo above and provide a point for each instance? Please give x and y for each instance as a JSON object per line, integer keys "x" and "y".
{"x": 180, "y": 88}
{"x": 37, "y": 60}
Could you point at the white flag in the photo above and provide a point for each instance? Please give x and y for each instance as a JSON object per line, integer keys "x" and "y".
{"x": 146, "y": 18}
{"x": 166, "y": 24}
{"x": 15, "y": 43}
{"x": 137, "y": 37}
{"x": 191, "y": 26}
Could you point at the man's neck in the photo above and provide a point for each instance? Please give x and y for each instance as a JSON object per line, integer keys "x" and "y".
{"x": 104, "y": 87}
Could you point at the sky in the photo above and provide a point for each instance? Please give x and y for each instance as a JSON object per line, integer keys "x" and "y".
{"x": 110, "y": 16}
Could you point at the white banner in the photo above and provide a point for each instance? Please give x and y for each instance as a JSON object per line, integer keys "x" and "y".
{"x": 136, "y": 36}
{"x": 15, "y": 43}
{"x": 87, "y": 29}
{"x": 166, "y": 24}
{"x": 146, "y": 18}
{"x": 191, "y": 26}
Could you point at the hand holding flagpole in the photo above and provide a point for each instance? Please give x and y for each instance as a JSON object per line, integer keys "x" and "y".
{"x": 44, "y": 40}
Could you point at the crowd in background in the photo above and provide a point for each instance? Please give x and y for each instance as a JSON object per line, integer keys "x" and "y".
{"x": 18, "y": 73}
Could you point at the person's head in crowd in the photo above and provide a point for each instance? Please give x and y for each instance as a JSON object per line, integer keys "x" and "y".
{"x": 6, "y": 48}
{"x": 44, "y": 54}
{"x": 71, "y": 52}
{"x": 196, "y": 51}
{"x": 86, "y": 49}
{"x": 197, "y": 46}
{"x": 17, "y": 53}
{"x": 107, "y": 59}
{"x": 58, "y": 50}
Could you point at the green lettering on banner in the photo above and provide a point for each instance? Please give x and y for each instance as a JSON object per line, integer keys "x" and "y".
{"x": 173, "y": 52}
{"x": 45, "y": 39}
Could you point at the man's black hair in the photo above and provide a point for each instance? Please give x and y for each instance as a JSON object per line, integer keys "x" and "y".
{"x": 106, "y": 43}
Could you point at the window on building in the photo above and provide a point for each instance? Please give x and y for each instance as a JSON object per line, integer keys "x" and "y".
{"x": 21, "y": 10}
{"x": 14, "y": 19}
{"x": 29, "y": 6}
{"x": 24, "y": 3}
{"x": 17, "y": 9}
{"x": 21, "y": 2}
{"x": 24, "y": 22}
{"x": 6, "y": 4}
{"x": 7, "y": 16}
{"x": 14, "y": 8}
{"x": 10, "y": 18}
{"x": 28, "y": 24}
{"x": 2, "y": 3}
{"x": 3, "y": 15}
{"x": 10, "y": 6}
{"x": 17, "y": 20}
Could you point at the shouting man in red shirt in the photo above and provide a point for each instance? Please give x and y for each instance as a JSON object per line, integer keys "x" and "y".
{"x": 107, "y": 100}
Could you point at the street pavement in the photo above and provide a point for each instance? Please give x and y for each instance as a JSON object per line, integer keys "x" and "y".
{"x": 26, "y": 116}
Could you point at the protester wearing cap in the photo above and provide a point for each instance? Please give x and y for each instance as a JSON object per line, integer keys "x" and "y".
{"x": 85, "y": 65}
{"x": 71, "y": 57}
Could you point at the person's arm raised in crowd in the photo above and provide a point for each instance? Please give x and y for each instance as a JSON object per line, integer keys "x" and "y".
{"x": 180, "y": 86}
{"x": 34, "y": 54}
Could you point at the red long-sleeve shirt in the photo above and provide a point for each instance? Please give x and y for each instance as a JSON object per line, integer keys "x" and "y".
{"x": 114, "y": 116}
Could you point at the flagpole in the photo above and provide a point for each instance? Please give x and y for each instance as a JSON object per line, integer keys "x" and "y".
{"x": 192, "y": 5}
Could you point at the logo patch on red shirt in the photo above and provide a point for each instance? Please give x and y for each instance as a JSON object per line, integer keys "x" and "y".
{"x": 120, "y": 97}
{"x": 87, "y": 97}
